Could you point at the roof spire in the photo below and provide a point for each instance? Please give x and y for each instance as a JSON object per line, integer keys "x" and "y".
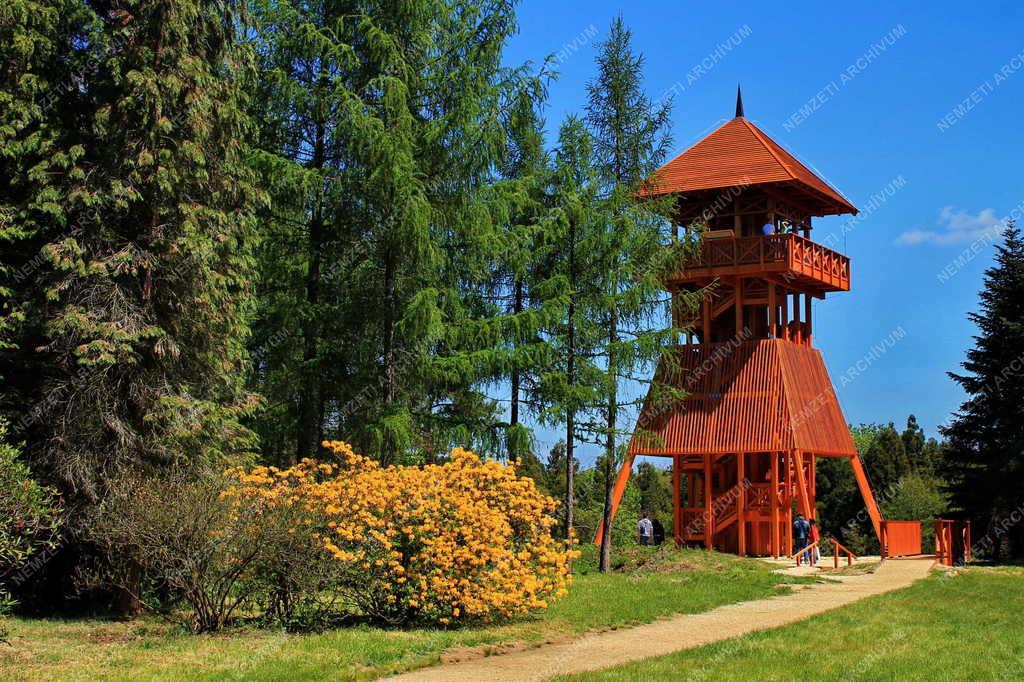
{"x": 739, "y": 102}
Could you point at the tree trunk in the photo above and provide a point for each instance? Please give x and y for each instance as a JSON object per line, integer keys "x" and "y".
{"x": 570, "y": 423}
{"x": 604, "y": 563}
{"x": 307, "y": 439}
{"x": 517, "y": 307}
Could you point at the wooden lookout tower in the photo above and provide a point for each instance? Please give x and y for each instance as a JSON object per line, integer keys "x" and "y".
{"x": 760, "y": 407}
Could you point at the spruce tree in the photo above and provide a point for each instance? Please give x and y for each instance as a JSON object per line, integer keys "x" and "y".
{"x": 138, "y": 249}
{"x": 630, "y": 142}
{"x": 985, "y": 456}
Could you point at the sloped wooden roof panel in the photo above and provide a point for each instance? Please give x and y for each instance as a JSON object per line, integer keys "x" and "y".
{"x": 759, "y": 396}
{"x": 738, "y": 153}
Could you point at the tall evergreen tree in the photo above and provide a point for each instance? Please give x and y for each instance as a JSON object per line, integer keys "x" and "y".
{"x": 383, "y": 124}
{"x": 136, "y": 311}
{"x": 631, "y": 139}
{"x": 573, "y": 384}
{"x": 985, "y": 457}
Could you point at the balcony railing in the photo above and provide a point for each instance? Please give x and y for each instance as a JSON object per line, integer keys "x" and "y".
{"x": 786, "y": 253}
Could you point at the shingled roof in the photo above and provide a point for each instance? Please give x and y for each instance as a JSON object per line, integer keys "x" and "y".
{"x": 738, "y": 153}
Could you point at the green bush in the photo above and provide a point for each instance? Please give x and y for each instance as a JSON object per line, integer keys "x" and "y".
{"x": 29, "y": 519}
{"x": 179, "y": 547}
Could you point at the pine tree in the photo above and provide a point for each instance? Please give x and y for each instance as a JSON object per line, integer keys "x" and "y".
{"x": 985, "y": 457}
{"x": 138, "y": 345}
{"x": 631, "y": 140}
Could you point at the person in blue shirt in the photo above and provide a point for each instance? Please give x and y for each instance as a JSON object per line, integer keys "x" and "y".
{"x": 769, "y": 228}
{"x": 801, "y": 531}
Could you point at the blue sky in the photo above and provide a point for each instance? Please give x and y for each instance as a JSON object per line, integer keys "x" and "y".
{"x": 912, "y": 110}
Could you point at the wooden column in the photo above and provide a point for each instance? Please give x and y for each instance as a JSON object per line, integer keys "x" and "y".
{"x": 741, "y": 503}
{"x": 803, "y": 499}
{"x": 785, "y": 315}
{"x": 807, "y": 319}
{"x": 706, "y": 319}
{"x": 773, "y": 312}
{"x": 788, "y": 530}
{"x": 739, "y": 306}
{"x": 677, "y": 501}
{"x": 709, "y": 518}
{"x": 774, "y": 502}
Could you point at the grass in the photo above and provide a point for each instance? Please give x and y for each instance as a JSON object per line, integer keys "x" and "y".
{"x": 648, "y": 584}
{"x": 963, "y": 625}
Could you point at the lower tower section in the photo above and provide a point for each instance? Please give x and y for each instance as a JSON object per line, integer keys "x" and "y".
{"x": 744, "y": 442}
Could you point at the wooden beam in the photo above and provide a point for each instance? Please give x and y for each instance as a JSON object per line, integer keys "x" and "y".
{"x": 741, "y": 503}
{"x": 869, "y": 497}
{"x": 620, "y": 487}
{"x": 677, "y": 501}
{"x": 709, "y": 518}
{"x": 739, "y": 306}
{"x": 774, "y": 501}
{"x": 706, "y": 330}
{"x": 773, "y": 312}
{"x": 804, "y": 498}
{"x": 807, "y": 319}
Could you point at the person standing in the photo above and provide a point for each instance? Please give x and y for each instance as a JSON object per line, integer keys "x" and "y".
{"x": 814, "y": 536}
{"x": 645, "y": 529}
{"x": 801, "y": 530}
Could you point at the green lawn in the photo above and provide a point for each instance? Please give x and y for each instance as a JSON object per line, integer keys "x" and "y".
{"x": 968, "y": 625}
{"x": 651, "y": 584}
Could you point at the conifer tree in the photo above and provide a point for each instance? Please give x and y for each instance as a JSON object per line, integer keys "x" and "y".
{"x": 985, "y": 456}
{"x": 138, "y": 308}
{"x": 631, "y": 140}
{"x": 571, "y": 387}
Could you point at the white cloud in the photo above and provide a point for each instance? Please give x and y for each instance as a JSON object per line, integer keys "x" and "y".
{"x": 957, "y": 226}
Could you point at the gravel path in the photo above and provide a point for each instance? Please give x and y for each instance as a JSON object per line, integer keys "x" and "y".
{"x": 606, "y": 649}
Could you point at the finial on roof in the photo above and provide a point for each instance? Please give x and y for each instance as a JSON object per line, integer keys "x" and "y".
{"x": 739, "y": 102}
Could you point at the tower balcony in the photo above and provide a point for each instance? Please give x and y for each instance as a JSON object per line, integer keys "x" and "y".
{"x": 789, "y": 258}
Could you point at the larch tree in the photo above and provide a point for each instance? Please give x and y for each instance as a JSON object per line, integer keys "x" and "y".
{"x": 570, "y": 387}
{"x": 382, "y": 134}
{"x": 985, "y": 456}
{"x": 136, "y": 251}
{"x": 630, "y": 142}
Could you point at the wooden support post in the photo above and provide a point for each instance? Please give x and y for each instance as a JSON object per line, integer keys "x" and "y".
{"x": 803, "y": 494}
{"x": 789, "y": 505}
{"x": 677, "y": 501}
{"x": 709, "y": 518}
{"x": 774, "y": 501}
{"x": 807, "y": 319}
{"x": 739, "y": 307}
{"x": 705, "y": 334}
{"x": 785, "y": 315}
{"x": 741, "y": 503}
{"x": 773, "y": 312}
{"x": 620, "y": 487}
{"x": 869, "y": 497}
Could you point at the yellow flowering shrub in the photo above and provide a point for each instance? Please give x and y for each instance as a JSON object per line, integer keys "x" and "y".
{"x": 464, "y": 540}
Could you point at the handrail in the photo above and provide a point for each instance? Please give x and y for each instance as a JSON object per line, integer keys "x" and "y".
{"x": 793, "y": 250}
{"x": 850, "y": 556}
{"x": 810, "y": 555}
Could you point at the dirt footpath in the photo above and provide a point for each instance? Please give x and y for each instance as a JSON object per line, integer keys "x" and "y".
{"x": 606, "y": 649}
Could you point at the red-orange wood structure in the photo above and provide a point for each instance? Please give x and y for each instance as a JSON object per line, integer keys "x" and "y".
{"x": 760, "y": 408}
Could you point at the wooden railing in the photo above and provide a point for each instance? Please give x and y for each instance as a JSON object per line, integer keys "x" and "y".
{"x": 850, "y": 556}
{"x": 808, "y": 550}
{"x": 785, "y": 251}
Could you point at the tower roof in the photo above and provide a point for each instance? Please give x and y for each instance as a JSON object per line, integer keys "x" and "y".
{"x": 738, "y": 153}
